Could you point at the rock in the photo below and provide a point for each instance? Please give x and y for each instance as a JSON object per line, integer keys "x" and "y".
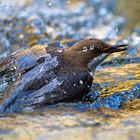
{"x": 116, "y": 100}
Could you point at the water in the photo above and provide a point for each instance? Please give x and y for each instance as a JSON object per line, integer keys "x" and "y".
{"x": 112, "y": 107}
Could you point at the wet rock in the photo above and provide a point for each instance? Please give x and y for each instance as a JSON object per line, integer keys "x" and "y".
{"x": 136, "y": 90}
{"x": 92, "y": 96}
{"x": 113, "y": 102}
{"x": 116, "y": 100}
{"x": 3, "y": 86}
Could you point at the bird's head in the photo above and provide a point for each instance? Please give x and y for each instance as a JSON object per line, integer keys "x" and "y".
{"x": 92, "y": 50}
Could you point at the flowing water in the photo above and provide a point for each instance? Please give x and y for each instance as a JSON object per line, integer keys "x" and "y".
{"x": 111, "y": 111}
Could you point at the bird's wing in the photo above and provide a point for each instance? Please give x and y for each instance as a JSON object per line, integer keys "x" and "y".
{"x": 65, "y": 87}
{"x": 33, "y": 80}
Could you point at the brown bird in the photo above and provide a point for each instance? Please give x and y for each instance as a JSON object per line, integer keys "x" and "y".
{"x": 48, "y": 75}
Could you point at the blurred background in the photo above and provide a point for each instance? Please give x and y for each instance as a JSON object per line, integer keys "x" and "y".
{"x": 28, "y": 22}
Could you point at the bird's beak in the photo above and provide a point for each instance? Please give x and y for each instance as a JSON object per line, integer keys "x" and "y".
{"x": 118, "y": 48}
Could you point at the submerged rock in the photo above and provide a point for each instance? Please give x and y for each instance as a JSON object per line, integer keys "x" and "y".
{"x": 116, "y": 100}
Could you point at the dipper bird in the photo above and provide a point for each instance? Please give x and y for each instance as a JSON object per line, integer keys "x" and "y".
{"x": 49, "y": 75}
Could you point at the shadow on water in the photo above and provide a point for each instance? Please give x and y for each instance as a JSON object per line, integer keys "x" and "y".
{"x": 112, "y": 107}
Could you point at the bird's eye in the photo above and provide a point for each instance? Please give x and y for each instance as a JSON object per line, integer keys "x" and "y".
{"x": 92, "y": 48}
{"x": 96, "y": 48}
{"x": 84, "y": 49}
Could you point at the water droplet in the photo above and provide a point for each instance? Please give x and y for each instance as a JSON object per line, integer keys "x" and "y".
{"x": 46, "y": 44}
{"x": 88, "y": 86}
{"x": 28, "y": 109}
{"x": 49, "y": 3}
{"x": 81, "y": 82}
{"x": 84, "y": 49}
{"x": 13, "y": 79}
{"x": 74, "y": 73}
{"x": 117, "y": 29}
{"x": 14, "y": 68}
{"x": 60, "y": 50}
{"x": 91, "y": 73}
{"x": 68, "y": 2}
{"x": 65, "y": 92}
{"x": 41, "y": 69}
{"x": 92, "y": 48}
{"x": 61, "y": 83}
{"x": 21, "y": 36}
{"x": 74, "y": 84}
